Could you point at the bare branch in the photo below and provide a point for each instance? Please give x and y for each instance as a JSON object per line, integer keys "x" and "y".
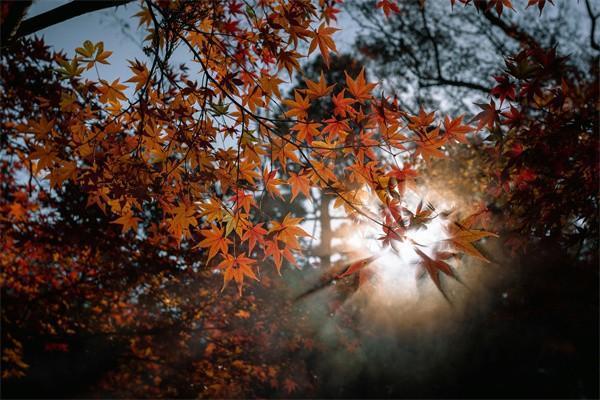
{"x": 64, "y": 13}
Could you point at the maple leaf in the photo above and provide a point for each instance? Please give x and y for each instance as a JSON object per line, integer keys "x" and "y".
{"x": 422, "y": 120}
{"x": 357, "y": 266}
{"x": 307, "y": 130}
{"x": 455, "y": 129}
{"x": 254, "y": 235}
{"x": 486, "y": 117}
{"x": 236, "y": 268}
{"x": 243, "y": 200}
{"x": 140, "y": 74}
{"x": 298, "y": 107}
{"x": 317, "y": 89}
{"x": 513, "y": 117}
{"x": 87, "y": 50}
{"x": 358, "y": 87}
{"x": 288, "y": 229}
{"x": 289, "y": 61}
{"x": 428, "y": 145}
{"x": 540, "y": 4}
{"x": 215, "y": 240}
{"x": 272, "y": 250}
{"x": 212, "y": 210}
{"x": 335, "y": 128}
{"x": 184, "y": 218}
{"x": 322, "y": 38}
{"x": 405, "y": 177}
{"x": 392, "y": 231}
{"x": 388, "y": 7}
{"x": 504, "y": 89}
{"x": 271, "y": 182}
{"x": 342, "y": 104}
{"x": 128, "y": 221}
{"x": 299, "y": 183}
{"x": 497, "y": 4}
{"x": 462, "y": 237}
{"x": 325, "y": 172}
{"x": 270, "y": 85}
{"x": 329, "y": 13}
{"x": 421, "y": 216}
{"x": 112, "y": 92}
{"x": 237, "y": 221}
{"x": 433, "y": 267}
{"x": 289, "y": 385}
{"x": 283, "y": 153}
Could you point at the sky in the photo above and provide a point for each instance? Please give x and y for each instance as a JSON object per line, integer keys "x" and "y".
{"x": 117, "y": 28}
{"x": 108, "y": 26}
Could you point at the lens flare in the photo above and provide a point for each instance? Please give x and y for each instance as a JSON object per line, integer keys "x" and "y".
{"x": 396, "y": 267}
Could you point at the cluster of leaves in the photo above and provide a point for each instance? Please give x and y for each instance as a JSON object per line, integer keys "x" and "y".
{"x": 499, "y": 5}
{"x": 120, "y": 198}
{"x": 70, "y": 277}
{"x": 117, "y": 199}
{"x": 554, "y": 98}
{"x": 544, "y": 133}
{"x": 159, "y": 152}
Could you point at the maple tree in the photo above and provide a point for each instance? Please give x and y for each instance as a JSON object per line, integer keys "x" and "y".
{"x": 123, "y": 197}
{"x": 545, "y": 151}
{"x": 158, "y": 149}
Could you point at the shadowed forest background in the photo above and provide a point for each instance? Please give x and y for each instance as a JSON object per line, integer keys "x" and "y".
{"x": 233, "y": 199}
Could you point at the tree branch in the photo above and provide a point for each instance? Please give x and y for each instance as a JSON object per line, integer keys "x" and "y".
{"x": 63, "y": 13}
{"x": 13, "y": 13}
{"x": 510, "y": 30}
{"x": 457, "y": 83}
{"x": 593, "y": 18}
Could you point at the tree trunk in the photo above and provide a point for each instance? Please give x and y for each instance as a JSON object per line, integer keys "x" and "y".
{"x": 325, "y": 248}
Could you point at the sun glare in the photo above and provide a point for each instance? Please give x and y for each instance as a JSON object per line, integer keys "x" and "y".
{"x": 396, "y": 266}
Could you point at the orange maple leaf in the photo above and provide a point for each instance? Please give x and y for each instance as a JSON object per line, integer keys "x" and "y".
{"x": 271, "y": 182}
{"x": 254, "y": 235}
{"x": 212, "y": 210}
{"x": 236, "y": 268}
{"x": 335, "y": 128}
{"x": 317, "y": 89}
{"x": 433, "y": 267}
{"x": 215, "y": 241}
{"x": 429, "y": 144}
{"x": 111, "y": 92}
{"x": 455, "y": 129}
{"x": 184, "y": 217}
{"x": 357, "y": 266}
{"x": 359, "y": 88}
{"x": 306, "y": 131}
{"x": 287, "y": 230}
{"x": 128, "y": 221}
{"x": 422, "y": 120}
{"x": 299, "y": 183}
{"x": 298, "y": 107}
{"x": 322, "y": 38}
{"x": 462, "y": 237}
{"x": 342, "y": 104}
